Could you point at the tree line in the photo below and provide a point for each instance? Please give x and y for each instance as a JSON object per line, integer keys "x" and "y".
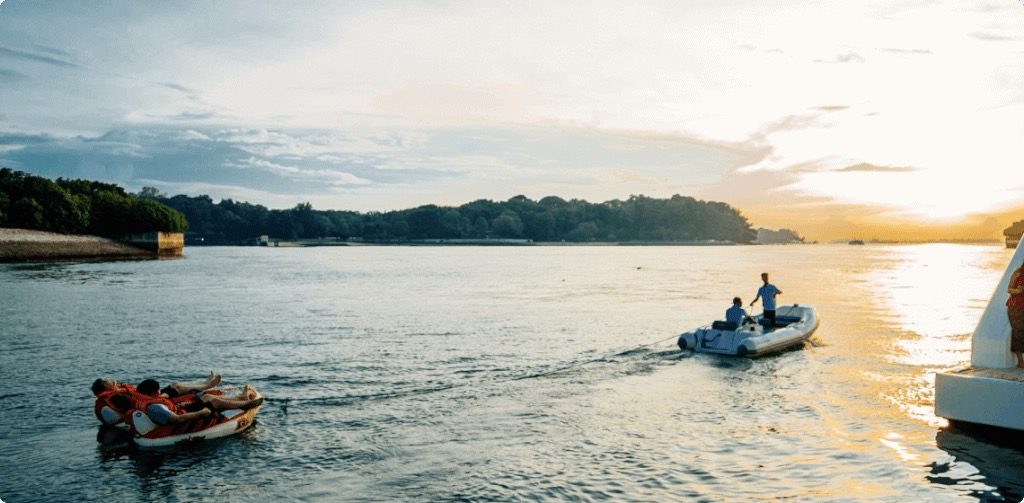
{"x": 90, "y": 207}
{"x": 638, "y": 218}
{"x": 80, "y": 207}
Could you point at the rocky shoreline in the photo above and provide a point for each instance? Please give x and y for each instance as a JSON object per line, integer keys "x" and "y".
{"x": 21, "y": 245}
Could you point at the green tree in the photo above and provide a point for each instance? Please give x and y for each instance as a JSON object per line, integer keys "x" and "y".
{"x": 507, "y": 225}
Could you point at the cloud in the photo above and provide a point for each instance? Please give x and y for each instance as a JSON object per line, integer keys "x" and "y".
{"x": 379, "y": 169}
{"x": 846, "y": 57}
{"x": 10, "y": 75}
{"x": 37, "y": 58}
{"x": 908, "y": 51}
{"x": 325, "y": 175}
{"x": 993, "y": 37}
{"x": 179, "y": 87}
{"x": 53, "y": 51}
{"x": 866, "y": 168}
{"x": 193, "y": 116}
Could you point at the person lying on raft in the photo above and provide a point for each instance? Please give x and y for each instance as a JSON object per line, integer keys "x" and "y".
{"x": 164, "y": 411}
{"x": 172, "y": 390}
{"x": 110, "y": 414}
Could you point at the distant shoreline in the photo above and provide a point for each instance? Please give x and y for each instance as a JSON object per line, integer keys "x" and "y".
{"x": 23, "y": 245}
{"x": 312, "y": 243}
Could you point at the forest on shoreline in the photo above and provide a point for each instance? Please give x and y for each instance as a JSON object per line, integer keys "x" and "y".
{"x": 551, "y": 219}
{"x": 89, "y": 207}
{"x": 80, "y": 207}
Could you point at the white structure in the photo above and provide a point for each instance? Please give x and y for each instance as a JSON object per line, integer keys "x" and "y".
{"x": 991, "y": 390}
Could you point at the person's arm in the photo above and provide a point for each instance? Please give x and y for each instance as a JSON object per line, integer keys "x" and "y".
{"x": 191, "y": 416}
{"x": 755, "y": 298}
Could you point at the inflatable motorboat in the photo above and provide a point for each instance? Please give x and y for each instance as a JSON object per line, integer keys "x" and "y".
{"x": 793, "y": 325}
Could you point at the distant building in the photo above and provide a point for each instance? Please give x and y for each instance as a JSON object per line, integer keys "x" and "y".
{"x": 1013, "y": 234}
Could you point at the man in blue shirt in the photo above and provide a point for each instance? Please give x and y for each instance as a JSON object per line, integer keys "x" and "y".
{"x": 767, "y": 292}
{"x": 736, "y": 314}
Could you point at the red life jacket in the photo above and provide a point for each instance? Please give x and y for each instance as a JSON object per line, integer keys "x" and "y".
{"x": 103, "y": 400}
{"x": 142, "y": 403}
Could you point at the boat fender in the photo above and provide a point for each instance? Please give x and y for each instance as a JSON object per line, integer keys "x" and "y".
{"x": 142, "y": 423}
{"x": 742, "y": 350}
{"x": 682, "y": 342}
{"x": 110, "y": 416}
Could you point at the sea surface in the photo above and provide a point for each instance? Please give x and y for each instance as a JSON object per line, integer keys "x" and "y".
{"x": 504, "y": 373}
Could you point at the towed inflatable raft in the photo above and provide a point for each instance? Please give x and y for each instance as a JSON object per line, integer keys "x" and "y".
{"x": 793, "y": 325}
{"x": 147, "y": 434}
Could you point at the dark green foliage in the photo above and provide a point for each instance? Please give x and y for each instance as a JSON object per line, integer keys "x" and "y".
{"x": 638, "y": 218}
{"x": 79, "y": 207}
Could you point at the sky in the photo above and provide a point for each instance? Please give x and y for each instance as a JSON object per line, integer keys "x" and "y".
{"x": 896, "y": 119}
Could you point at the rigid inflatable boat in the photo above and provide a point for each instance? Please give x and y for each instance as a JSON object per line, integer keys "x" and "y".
{"x": 793, "y": 325}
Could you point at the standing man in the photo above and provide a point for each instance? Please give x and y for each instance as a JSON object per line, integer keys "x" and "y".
{"x": 767, "y": 292}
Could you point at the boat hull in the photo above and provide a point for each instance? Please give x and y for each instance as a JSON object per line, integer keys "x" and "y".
{"x": 993, "y": 397}
{"x": 751, "y": 340}
{"x": 237, "y": 422}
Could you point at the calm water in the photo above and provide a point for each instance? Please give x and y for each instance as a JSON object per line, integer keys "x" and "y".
{"x": 424, "y": 374}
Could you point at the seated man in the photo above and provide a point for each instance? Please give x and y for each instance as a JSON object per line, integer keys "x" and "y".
{"x": 736, "y": 314}
{"x": 111, "y": 414}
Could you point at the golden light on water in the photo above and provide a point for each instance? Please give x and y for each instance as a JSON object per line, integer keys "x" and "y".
{"x": 932, "y": 297}
{"x": 936, "y": 292}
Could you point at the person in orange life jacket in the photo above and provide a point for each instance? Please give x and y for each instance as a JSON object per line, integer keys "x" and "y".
{"x": 105, "y": 411}
{"x": 109, "y": 413}
{"x": 163, "y": 411}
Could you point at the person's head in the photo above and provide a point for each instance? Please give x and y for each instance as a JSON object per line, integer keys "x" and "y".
{"x": 101, "y": 385}
{"x": 121, "y": 401}
{"x": 764, "y": 277}
{"x": 149, "y": 387}
{"x": 736, "y": 301}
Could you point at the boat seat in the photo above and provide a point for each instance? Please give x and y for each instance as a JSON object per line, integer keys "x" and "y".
{"x": 724, "y": 325}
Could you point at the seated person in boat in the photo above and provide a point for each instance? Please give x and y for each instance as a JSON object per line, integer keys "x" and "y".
{"x": 109, "y": 413}
{"x": 736, "y": 314}
{"x": 164, "y": 411}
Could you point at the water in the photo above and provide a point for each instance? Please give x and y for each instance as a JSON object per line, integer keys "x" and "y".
{"x": 426, "y": 374}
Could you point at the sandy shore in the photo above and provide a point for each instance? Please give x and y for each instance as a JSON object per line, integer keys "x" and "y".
{"x": 18, "y": 245}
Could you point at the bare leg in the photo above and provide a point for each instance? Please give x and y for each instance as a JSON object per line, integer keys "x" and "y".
{"x": 1020, "y": 360}
{"x": 220, "y": 403}
{"x": 187, "y": 387}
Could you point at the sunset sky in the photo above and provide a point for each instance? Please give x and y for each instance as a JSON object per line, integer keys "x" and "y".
{"x": 890, "y": 119}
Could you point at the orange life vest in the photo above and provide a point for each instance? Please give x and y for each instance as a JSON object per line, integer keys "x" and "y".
{"x": 142, "y": 403}
{"x": 103, "y": 400}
